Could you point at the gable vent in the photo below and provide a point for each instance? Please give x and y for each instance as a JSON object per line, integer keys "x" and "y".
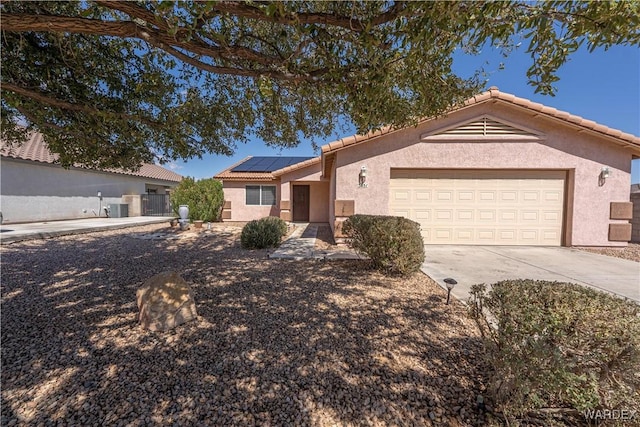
{"x": 485, "y": 127}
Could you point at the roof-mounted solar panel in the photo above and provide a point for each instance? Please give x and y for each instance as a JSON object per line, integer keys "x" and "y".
{"x": 267, "y": 163}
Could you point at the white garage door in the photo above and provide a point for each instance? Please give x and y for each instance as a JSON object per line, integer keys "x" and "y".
{"x": 481, "y": 207}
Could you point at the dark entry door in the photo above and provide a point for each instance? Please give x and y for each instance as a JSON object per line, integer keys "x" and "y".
{"x": 301, "y": 203}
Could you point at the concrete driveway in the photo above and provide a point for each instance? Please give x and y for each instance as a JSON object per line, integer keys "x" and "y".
{"x": 489, "y": 264}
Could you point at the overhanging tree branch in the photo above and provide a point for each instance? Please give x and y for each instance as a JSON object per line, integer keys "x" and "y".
{"x": 130, "y": 29}
{"x": 64, "y": 105}
{"x": 245, "y": 10}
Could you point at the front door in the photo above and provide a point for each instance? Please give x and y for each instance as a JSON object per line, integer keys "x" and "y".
{"x": 301, "y": 203}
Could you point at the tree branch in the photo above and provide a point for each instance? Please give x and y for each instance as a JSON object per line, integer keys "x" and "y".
{"x": 64, "y": 105}
{"x": 248, "y": 11}
{"x": 24, "y": 23}
{"x": 135, "y": 11}
{"x": 50, "y": 23}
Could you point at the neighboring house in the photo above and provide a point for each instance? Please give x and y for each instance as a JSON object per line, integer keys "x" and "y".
{"x": 34, "y": 188}
{"x": 499, "y": 170}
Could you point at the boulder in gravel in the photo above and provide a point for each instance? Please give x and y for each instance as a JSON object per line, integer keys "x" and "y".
{"x": 165, "y": 301}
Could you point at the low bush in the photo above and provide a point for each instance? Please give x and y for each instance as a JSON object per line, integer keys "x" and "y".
{"x": 558, "y": 350}
{"x": 394, "y": 244}
{"x": 263, "y": 233}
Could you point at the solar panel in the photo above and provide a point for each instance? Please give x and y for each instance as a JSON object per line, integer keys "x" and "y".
{"x": 267, "y": 163}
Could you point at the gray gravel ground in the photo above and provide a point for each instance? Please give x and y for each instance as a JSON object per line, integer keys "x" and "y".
{"x": 276, "y": 342}
{"x": 630, "y": 252}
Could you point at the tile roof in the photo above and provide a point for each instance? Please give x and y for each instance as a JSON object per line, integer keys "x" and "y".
{"x": 493, "y": 94}
{"x": 295, "y": 167}
{"x": 35, "y": 149}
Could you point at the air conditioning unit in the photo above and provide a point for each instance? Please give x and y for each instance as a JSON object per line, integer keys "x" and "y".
{"x": 118, "y": 210}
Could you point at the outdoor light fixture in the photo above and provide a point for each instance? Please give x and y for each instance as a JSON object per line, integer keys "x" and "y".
{"x": 450, "y": 284}
{"x": 362, "y": 177}
{"x": 605, "y": 173}
{"x": 100, "y": 194}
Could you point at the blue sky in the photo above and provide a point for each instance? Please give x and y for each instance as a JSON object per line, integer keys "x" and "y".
{"x": 603, "y": 86}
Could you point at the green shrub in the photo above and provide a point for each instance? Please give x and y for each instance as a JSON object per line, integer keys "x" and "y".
{"x": 263, "y": 233}
{"x": 204, "y": 198}
{"x": 394, "y": 244}
{"x": 558, "y": 345}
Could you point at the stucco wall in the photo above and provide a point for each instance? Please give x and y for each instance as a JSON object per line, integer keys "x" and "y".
{"x": 564, "y": 148}
{"x": 40, "y": 192}
{"x": 318, "y": 190}
{"x": 318, "y": 200}
{"x": 234, "y": 192}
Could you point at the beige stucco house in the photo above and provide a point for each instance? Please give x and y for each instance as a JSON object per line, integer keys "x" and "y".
{"x": 499, "y": 170}
{"x": 33, "y": 187}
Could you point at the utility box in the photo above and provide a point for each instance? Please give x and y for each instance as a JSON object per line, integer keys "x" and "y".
{"x": 118, "y": 210}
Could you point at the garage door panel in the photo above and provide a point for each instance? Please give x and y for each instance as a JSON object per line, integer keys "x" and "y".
{"x": 423, "y": 195}
{"x": 485, "y": 215}
{"x": 464, "y": 235}
{"x": 442, "y": 234}
{"x": 507, "y": 236}
{"x": 508, "y": 215}
{"x": 443, "y": 215}
{"x": 529, "y": 216}
{"x": 466, "y": 196}
{"x": 444, "y": 196}
{"x": 482, "y": 207}
{"x": 464, "y": 214}
{"x": 486, "y": 196}
{"x": 552, "y": 217}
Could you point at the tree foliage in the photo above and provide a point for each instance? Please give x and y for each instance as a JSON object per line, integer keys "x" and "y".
{"x": 204, "y": 198}
{"x": 117, "y": 83}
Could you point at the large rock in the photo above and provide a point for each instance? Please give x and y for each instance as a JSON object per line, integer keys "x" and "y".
{"x": 165, "y": 301}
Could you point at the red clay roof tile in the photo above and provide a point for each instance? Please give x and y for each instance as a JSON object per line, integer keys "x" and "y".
{"x": 493, "y": 93}
{"x": 35, "y": 149}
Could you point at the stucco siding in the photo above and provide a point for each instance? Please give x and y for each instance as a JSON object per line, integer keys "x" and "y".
{"x": 319, "y": 201}
{"x": 563, "y": 149}
{"x": 318, "y": 190}
{"x": 234, "y": 192}
{"x": 41, "y": 192}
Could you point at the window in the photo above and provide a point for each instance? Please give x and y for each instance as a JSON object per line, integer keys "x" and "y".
{"x": 261, "y": 195}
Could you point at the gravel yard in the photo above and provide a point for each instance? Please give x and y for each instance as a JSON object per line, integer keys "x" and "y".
{"x": 630, "y": 252}
{"x": 276, "y": 342}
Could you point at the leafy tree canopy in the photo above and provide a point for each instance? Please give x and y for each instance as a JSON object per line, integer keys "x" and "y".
{"x": 117, "y": 83}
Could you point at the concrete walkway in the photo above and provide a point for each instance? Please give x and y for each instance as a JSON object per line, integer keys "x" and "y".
{"x": 10, "y": 233}
{"x": 301, "y": 245}
{"x": 471, "y": 265}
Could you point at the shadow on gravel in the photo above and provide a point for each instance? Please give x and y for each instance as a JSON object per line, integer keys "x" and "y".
{"x": 277, "y": 342}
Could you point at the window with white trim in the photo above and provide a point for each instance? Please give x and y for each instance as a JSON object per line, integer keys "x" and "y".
{"x": 264, "y": 195}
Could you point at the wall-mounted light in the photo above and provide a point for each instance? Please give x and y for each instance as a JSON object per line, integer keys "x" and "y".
{"x": 362, "y": 177}
{"x": 605, "y": 173}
